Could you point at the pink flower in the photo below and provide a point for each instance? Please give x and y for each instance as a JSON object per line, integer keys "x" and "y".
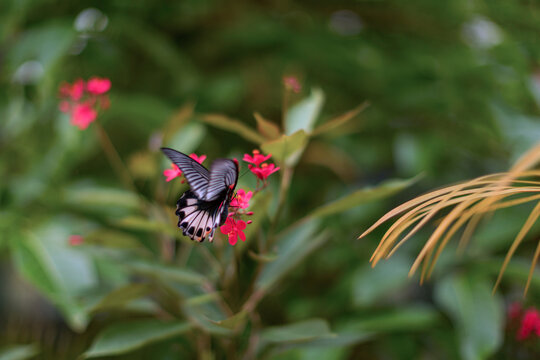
{"x": 241, "y": 199}
{"x": 83, "y": 115}
{"x": 234, "y": 229}
{"x": 198, "y": 159}
{"x": 98, "y": 86}
{"x": 292, "y": 83}
{"x": 530, "y": 324}
{"x": 264, "y": 171}
{"x": 172, "y": 173}
{"x": 75, "y": 240}
{"x": 77, "y": 90}
{"x": 257, "y": 158}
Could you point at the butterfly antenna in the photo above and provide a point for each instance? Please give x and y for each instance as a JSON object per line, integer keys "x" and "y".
{"x": 244, "y": 173}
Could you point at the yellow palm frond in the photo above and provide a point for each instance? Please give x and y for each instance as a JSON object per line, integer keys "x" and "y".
{"x": 467, "y": 203}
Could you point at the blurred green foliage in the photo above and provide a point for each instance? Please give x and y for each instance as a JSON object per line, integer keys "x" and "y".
{"x": 453, "y": 91}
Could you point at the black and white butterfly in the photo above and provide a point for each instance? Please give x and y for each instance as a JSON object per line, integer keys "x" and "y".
{"x": 205, "y": 206}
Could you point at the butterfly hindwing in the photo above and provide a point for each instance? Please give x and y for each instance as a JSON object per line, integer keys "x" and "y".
{"x": 196, "y": 175}
{"x": 198, "y": 219}
{"x": 223, "y": 175}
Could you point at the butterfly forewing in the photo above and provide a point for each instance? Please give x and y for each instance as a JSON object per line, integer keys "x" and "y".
{"x": 223, "y": 175}
{"x": 196, "y": 175}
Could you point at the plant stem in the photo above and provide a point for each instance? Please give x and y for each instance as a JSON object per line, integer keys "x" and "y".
{"x": 114, "y": 158}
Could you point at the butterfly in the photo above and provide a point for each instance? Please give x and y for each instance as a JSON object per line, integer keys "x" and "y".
{"x": 205, "y": 206}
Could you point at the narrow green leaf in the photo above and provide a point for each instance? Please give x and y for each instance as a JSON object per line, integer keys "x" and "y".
{"x": 146, "y": 112}
{"x": 287, "y": 149}
{"x": 293, "y": 247}
{"x": 125, "y": 337}
{"x": 302, "y": 116}
{"x": 265, "y": 258}
{"x": 363, "y": 196}
{"x": 143, "y": 224}
{"x": 18, "y": 352}
{"x": 122, "y": 296}
{"x": 476, "y": 313}
{"x": 181, "y": 275}
{"x": 517, "y": 271}
{"x": 267, "y": 128}
{"x": 300, "y": 331}
{"x": 234, "y": 126}
{"x": 340, "y": 120}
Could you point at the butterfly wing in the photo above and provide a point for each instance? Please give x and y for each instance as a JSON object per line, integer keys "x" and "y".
{"x": 223, "y": 178}
{"x": 199, "y": 219}
{"x": 196, "y": 175}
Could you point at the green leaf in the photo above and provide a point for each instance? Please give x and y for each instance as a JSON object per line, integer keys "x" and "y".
{"x": 18, "y": 352}
{"x": 371, "y": 285}
{"x": 300, "y": 331}
{"x": 407, "y": 319}
{"x": 180, "y": 275}
{"x": 122, "y": 296}
{"x": 235, "y": 126}
{"x": 102, "y": 200}
{"x": 234, "y": 322}
{"x": 199, "y": 315}
{"x": 143, "y": 224}
{"x": 302, "y": 116}
{"x": 287, "y": 149}
{"x": 267, "y": 128}
{"x": 37, "y": 265}
{"x": 340, "y": 120}
{"x": 362, "y": 196}
{"x": 476, "y": 313}
{"x": 125, "y": 337}
{"x": 293, "y": 247}
{"x": 187, "y": 139}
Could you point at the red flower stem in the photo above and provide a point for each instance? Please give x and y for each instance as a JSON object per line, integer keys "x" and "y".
{"x": 114, "y": 158}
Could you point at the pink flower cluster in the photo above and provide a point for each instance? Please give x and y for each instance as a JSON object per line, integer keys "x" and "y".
{"x": 528, "y": 321}
{"x": 176, "y": 172}
{"x": 82, "y": 100}
{"x": 234, "y": 226}
{"x": 258, "y": 166}
{"x": 234, "y": 229}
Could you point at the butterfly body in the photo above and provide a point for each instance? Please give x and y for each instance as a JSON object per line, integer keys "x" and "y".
{"x": 204, "y": 207}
